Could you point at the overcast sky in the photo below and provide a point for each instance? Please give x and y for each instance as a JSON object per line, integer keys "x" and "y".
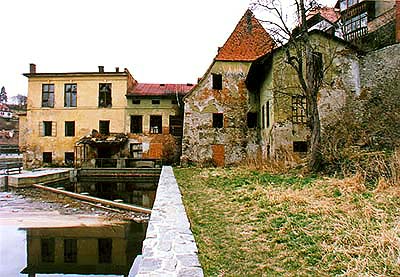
{"x": 159, "y": 41}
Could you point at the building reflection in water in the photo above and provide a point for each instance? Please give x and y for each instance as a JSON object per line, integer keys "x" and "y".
{"x": 84, "y": 250}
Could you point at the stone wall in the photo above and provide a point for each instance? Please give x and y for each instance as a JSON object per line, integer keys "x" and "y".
{"x": 169, "y": 248}
{"x": 380, "y": 69}
{"x": 233, "y": 101}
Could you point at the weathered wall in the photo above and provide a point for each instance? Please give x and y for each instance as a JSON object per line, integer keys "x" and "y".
{"x": 86, "y": 115}
{"x": 380, "y": 69}
{"x": 281, "y": 83}
{"x": 234, "y": 101}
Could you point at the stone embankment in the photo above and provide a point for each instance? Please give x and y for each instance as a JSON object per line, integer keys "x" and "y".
{"x": 169, "y": 248}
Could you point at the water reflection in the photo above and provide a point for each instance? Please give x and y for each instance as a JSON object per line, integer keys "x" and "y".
{"x": 106, "y": 250}
{"x": 141, "y": 194}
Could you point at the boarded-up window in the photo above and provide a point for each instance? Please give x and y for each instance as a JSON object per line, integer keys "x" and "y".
{"x": 155, "y": 124}
{"x": 136, "y": 124}
{"x": 217, "y": 81}
{"x": 218, "y": 120}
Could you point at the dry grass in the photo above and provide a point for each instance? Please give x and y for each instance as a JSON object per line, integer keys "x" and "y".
{"x": 251, "y": 223}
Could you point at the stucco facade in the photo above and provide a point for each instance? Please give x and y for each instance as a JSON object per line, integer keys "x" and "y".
{"x": 283, "y": 124}
{"x": 220, "y": 120}
{"x": 49, "y": 114}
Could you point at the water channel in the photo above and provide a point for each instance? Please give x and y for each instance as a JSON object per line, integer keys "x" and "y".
{"x": 106, "y": 250}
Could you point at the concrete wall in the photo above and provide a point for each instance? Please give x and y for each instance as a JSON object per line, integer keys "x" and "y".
{"x": 169, "y": 248}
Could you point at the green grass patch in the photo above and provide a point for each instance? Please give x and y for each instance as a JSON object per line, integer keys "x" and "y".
{"x": 251, "y": 223}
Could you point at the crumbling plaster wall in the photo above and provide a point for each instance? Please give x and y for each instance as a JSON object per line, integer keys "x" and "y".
{"x": 341, "y": 78}
{"x": 234, "y": 102}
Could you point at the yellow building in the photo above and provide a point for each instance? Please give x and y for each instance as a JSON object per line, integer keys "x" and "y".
{"x": 98, "y": 119}
{"x": 63, "y": 107}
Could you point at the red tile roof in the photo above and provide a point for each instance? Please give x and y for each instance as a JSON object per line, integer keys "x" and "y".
{"x": 247, "y": 42}
{"x": 330, "y": 14}
{"x": 143, "y": 89}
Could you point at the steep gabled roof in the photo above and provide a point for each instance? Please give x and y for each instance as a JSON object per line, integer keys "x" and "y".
{"x": 248, "y": 41}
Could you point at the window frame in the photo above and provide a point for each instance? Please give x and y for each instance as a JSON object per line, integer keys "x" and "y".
{"x": 47, "y": 129}
{"x": 156, "y": 101}
{"x": 102, "y": 127}
{"x": 69, "y": 129}
{"x": 47, "y": 157}
{"x": 48, "y": 95}
{"x": 155, "y": 127}
{"x": 138, "y": 130}
{"x": 299, "y": 109}
{"x": 68, "y": 156}
{"x": 70, "y": 250}
{"x": 70, "y": 95}
{"x": 105, "y": 95}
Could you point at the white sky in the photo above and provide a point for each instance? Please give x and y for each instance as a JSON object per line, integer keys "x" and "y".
{"x": 159, "y": 41}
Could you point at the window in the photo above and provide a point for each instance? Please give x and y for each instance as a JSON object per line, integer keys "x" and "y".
{"x": 104, "y": 127}
{"x": 70, "y": 95}
{"x": 70, "y": 250}
{"x": 267, "y": 113}
{"x": 356, "y": 26}
{"x": 216, "y": 81}
{"x": 105, "y": 250}
{"x": 69, "y": 128}
{"x": 69, "y": 158}
{"x": 136, "y": 124}
{"x": 105, "y": 100}
{"x": 252, "y": 120}
{"x": 136, "y": 150}
{"x": 345, "y": 4}
{"x": 175, "y": 125}
{"x": 263, "y": 116}
{"x": 300, "y": 146}
{"x": 47, "y": 249}
{"x": 155, "y": 124}
{"x": 136, "y": 101}
{"x": 318, "y": 65}
{"x": 48, "y": 95}
{"x": 218, "y": 120}
{"x": 174, "y": 102}
{"x": 47, "y": 128}
{"x": 47, "y": 157}
{"x": 155, "y": 101}
{"x": 299, "y": 108}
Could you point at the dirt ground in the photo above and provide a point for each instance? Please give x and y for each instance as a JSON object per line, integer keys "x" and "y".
{"x": 33, "y": 207}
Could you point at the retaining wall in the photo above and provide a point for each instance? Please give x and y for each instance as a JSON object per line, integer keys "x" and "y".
{"x": 169, "y": 248}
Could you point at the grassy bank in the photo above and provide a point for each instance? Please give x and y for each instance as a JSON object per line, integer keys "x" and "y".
{"x": 250, "y": 223}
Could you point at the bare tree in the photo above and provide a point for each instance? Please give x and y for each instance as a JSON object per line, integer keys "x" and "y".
{"x": 301, "y": 56}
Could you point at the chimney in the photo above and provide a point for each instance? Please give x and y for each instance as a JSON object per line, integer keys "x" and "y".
{"x": 117, "y": 69}
{"x": 32, "y": 68}
{"x": 101, "y": 69}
